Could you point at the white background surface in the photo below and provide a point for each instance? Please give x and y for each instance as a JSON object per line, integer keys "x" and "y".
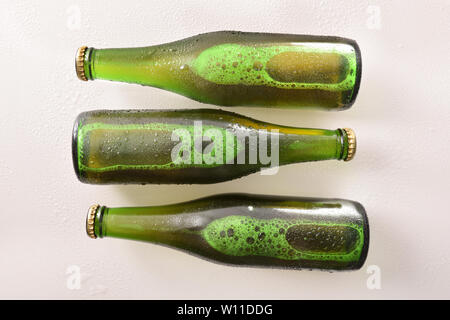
{"x": 400, "y": 172}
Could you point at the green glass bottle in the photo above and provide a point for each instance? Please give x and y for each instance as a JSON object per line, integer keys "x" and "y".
{"x": 249, "y": 230}
{"x": 238, "y": 68}
{"x": 193, "y": 146}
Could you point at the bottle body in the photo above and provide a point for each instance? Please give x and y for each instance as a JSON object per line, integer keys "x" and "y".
{"x": 192, "y": 146}
{"x": 249, "y": 230}
{"x": 239, "y": 68}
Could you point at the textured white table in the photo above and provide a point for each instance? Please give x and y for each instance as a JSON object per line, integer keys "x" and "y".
{"x": 400, "y": 172}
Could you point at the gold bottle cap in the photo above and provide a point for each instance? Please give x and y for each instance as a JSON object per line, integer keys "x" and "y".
{"x": 351, "y": 139}
{"x": 79, "y": 63}
{"x": 90, "y": 221}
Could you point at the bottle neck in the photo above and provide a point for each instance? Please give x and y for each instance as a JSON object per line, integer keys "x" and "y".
{"x": 158, "y": 224}
{"x": 144, "y": 65}
{"x": 301, "y": 145}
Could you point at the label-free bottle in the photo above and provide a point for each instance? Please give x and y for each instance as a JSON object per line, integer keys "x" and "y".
{"x": 248, "y": 230}
{"x": 193, "y": 146}
{"x": 238, "y": 69}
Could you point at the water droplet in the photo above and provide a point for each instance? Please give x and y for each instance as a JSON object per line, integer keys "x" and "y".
{"x": 257, "y": 66}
